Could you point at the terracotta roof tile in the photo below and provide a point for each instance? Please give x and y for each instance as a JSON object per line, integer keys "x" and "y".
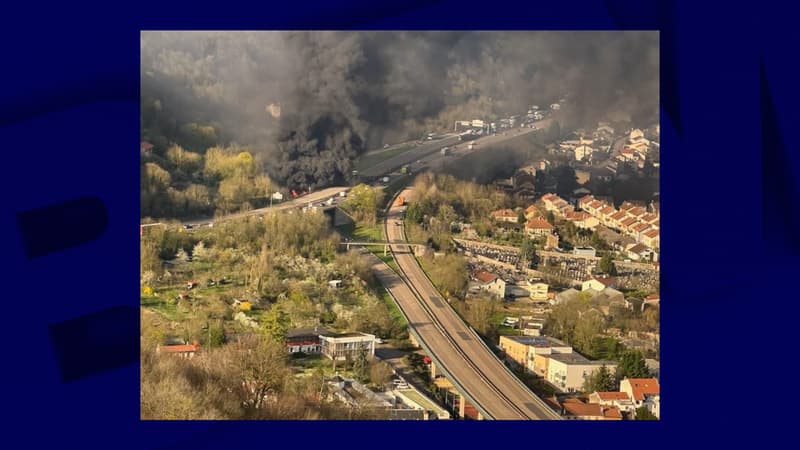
{"x": 613, "y": 395}
{"x": 537, "y": 223}
{"x": 485, "y": 277}
{"x": 643, "y": 386}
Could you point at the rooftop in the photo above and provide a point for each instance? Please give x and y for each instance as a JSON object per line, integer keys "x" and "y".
{"x": 537, "y": 341}
{"x": 537, "y": 223}
{"x": 485, "y": 277}
{"x": 577, "y": 358}
{"x": 575, "y": 407}
{"x": 309, "y": 331}
{"x": 642, "y": 386}
{"x": 613, "y": 395}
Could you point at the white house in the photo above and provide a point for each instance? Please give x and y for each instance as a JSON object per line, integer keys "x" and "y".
{"x": 342, "y": 346}
{"x": 643, "y": 392}
{"x": 568, "y": 371}
{"x": 613, "y": 398}
{"x": 491, "y": 283}
{"x": 538, "y": 290}
{"x": 598, "y": 284}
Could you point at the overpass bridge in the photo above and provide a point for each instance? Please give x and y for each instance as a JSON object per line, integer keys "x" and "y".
{"x": 413, "y": 247}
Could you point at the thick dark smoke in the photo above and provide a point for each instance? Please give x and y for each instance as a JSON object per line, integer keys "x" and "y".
{"x": 341, "y": 93}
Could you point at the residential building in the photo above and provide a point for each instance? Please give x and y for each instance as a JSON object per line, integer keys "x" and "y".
{"x": 531, "y": 212}
{"x": 582, "y": 219}
{"x": 568, "y": 371}
{"x": 305, "y": 340}
{"x": 638, "y": 252}
{"x": 182, "y": 350}
{"x": 575, "y": 409}
{"x": 594, "y": 206}
{"x": 538, "y": 290}
{"x": 626, "y": 224}
{"x": 638, "y": 230}
{"x": 491, "y": 283}
{"x": 640, "y": 390}
{"x": 538, "y": 226}
{"x": 620, "y": 400}
{"x": 615, "y": 219}
{"x": 651, "y": 238}
{"x": 347, "y": 345}
{"x": 584, "y": 201}
{"x": 524, "y": 351}
{"x": 505, "y": 215}
{"x": 599, "y": 283}
{"x": 651, "y": 300}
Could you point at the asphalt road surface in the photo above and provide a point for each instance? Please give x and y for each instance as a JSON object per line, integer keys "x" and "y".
{"x": 485, "y": 380}
{"x": 421, "y": 151}
{"x": 314, "y": 197}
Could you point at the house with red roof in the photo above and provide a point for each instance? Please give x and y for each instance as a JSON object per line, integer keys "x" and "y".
{"x": 182, "y": 350}
{"x": 585, "y": 200}
{"x": 505, "y": 215}
{"x": 531, "y": 212}
{"x": 650, "y": 238}
{"x": 643, "y": 392}
{"x": 538, "y": 227}
{"x": 575, "y": 409}
{"x": 620, "y": 400}
{"x": 145, "y": 148}
{"x": 490, "y": 282}
{"x": 582, "y": 219}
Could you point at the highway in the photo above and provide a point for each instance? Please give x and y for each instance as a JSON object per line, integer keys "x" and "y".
{"x": 481, "y": 376}
{"x": 313, "y": 197}
{"x": 421, "y": 151}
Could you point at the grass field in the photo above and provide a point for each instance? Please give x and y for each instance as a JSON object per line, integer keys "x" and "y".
{"x": 394, "y": 310}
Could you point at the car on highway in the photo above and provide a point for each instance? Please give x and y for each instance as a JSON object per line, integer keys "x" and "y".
{"x": 188, "y": 226}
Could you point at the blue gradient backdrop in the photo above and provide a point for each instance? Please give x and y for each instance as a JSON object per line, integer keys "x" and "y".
{"x": 69, "y": 117}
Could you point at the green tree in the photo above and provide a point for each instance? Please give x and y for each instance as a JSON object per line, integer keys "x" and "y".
{"x": 606, "y": 265}
{"x": 361, "y": 366}
{"x": 632, "y": 365}
{"x": 601, "y": 380}
{"x": 527, "y": 251}
{"x": 551, "y": 218}
{"x": 215, "y": 336}
{"x": 414, "y": 213}
{"x": 597, "y": 241}
{"x": 275, "y": 323}
{"x": 364, "y": 200}
{"x": 642, "y": 413}
{"x": 521, "y": 216}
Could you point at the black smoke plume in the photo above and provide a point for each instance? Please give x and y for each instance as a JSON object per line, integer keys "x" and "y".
{"x": 342, "y": 93}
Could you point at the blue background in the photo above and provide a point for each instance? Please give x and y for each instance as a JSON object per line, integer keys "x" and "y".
{"x": 69, "y": 115}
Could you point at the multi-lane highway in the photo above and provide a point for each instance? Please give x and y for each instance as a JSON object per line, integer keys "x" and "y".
{"x": 313, "y": 197}
{"x": 417, "y": 153}
{"x": 478, "y": 373}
